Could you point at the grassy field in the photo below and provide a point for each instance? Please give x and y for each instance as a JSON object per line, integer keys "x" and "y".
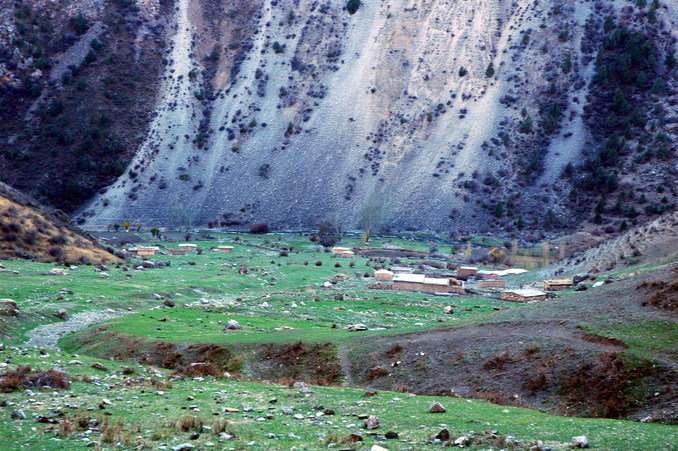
{"x": 138, "y": 407}
{"x": 282, "y": 289}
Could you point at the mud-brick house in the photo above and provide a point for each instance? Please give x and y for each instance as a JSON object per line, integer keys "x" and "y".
{"x": 188, "y": 247}
{"x": 143, "y": 250}
{"x": 558, "y": 284}
{"x": 421, "y": 283}
{"x": 466, "y": 271}
{"x": 492, "y": 283}
{"x": 224, "y": 249}
{"x": 383, "y": 274}
{"x": 523, "y": 295}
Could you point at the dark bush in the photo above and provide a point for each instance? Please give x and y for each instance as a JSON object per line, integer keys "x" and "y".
{"x": 352, "y": 6}
{"x": 259, "y": 228}
{"x": 58, "y": 239}
{"x": 56, "y": 251}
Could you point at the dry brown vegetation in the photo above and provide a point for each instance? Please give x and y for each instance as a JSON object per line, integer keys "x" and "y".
{"x": 28, "y": 231}
{"x": 23, "y": 376}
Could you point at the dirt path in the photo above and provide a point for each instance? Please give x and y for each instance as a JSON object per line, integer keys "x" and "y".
{"x": 47, "y": 336}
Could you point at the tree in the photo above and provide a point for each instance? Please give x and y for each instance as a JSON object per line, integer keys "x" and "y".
{"x": 499, "y": 210}
{"x": 79, "y": 24}
{"x": 126, "y": 225}
{"x": 155, "y": 232}
{"x": 352, "y": 6}
{"x": 497, "y": 255}
{"x": 489, "y": 72}
{"x": 462, "y": 71}
{"x": 116, "y": 227}
{"x": 370, "y": 215}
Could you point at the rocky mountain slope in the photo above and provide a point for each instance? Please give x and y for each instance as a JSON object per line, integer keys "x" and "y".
{"x": 489, "y": 115}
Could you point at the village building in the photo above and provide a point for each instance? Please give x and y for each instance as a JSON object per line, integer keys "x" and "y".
{"x": 143, "y": 250}
{"x": 402, "y": 270}
{"x": 224, "y": 248}
{"x": 421, "y": 283}
{"x": 492, "y": 283}
{"x": 523, "y": 295}
{"x": 557, "y": 284}
{"x": 343, "y": 252}
{"x": 188, "y": 247}
{"x": 466, "y": 271}
{"x": 383, "y": 274}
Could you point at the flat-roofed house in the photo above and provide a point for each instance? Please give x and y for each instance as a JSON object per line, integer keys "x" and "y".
{"x": 143, "y": 250}
{"x": 421, "y": 283}
{"x": 492, "y": 283}
{"x": 466, "y": 271}
{"x": 523, "y": 295}
{"x": 383, "y": 274}
{"x": 557, "y": 284}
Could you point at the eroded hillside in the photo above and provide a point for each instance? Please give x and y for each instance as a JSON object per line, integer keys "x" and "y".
{"x": 481, "y": 115}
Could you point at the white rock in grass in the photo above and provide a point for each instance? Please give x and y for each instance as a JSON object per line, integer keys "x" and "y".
{"x": 580, "y": 442}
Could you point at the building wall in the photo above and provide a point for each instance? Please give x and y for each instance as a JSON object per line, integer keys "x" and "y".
{"x": 467, "y": 272}
{"x": 491, "y": 284}
{"x": 422, "y": 287}
{"x": 518, "y": 298}
{"x": 555, "y": 287}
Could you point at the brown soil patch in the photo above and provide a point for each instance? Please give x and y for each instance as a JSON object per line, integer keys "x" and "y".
{"x": 662, "y": 293}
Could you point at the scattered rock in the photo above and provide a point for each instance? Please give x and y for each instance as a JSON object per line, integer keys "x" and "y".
{"x": 226, "y": 436}
{"x": 448, "y": 310}
{"x": 378, "y": 448}
{"x": 99, "y": 366}
{"x": 462, "y": 441}
{"x": 371, "y": 393}
{"x": 233, "y": 325}
{"x": 62, "y": 314}
{"x": 436, "y": 407}
{"x": 356, "y": 327}
{"x": 183, "y": 447}
{"x": 443, "y": 435}
{"x": 18, "y": 415}
{"x": 58, "y": 272}
{"x": 580, "y": 278}
{"x": 580, "y": 442}
{"x": 169, "y": 303}
{"x": 372, "y": 422}
{"x": 391, "y": 435}
{"x": 355, "y": 438}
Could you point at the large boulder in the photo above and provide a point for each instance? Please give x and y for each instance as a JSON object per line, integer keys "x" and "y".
{"x": 233, "y": 325}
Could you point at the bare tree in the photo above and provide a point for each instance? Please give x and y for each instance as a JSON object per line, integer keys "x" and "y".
{"x": 370, "y": 215}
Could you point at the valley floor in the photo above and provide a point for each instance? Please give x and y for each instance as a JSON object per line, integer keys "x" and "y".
{"x": 142, "y": 375}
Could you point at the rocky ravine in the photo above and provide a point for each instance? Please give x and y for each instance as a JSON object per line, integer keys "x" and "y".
{"x": 283, "y": 112}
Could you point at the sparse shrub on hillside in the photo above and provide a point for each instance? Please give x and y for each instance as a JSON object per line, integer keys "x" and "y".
{"x": 352, "y": 6}
{"x": 60, "y": 239}
{"x": 259, "y": 228}
{"x": 79, "y": 24}
{"x": 462, "y": 71}
{"x": 489, "y": 72}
